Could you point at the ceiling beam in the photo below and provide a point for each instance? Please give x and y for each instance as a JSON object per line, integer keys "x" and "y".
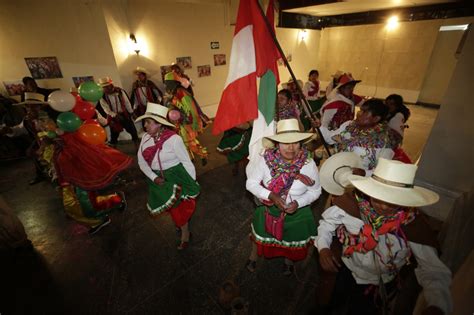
{"x": 419, "y": 13}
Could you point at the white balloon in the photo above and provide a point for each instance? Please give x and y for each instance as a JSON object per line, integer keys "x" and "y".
{"x": 61, "y": 101}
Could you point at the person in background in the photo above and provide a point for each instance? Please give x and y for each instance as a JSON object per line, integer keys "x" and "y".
{"x": 311, "y": 90}
{"x": 398, "y": 113}
{"x": 32, "y": 87}
{"x": 34, "y": 104}
{"x": 144, "y": 91}
{"x": 335, "y": 79}
{"x": 171, "y": 175}
{"x": 285, "y": 182}
{"x": 369, "y": 237}
{"x": 368, "y": 135}
{"x": 118, "y": 109}
{"x": 341, "y": 106}
{"x": 190, "y": 124}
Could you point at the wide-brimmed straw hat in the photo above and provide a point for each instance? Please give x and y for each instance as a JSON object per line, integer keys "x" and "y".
{"x": 336, "y": 172}
{"x": 290, "y": 80}
{"x": 287, "y": 131}
{"x": 392, "y": 182}
{"x": 345, "y": 79}
{"x": 157, "y": 112}
{"x": 140, "y": 70}
{"x": 33, "y": 98}
{"x": 105, "y": 81}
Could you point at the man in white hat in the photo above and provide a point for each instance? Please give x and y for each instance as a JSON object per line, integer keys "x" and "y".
{"x": 34, "y": 104}
{"x": 144, "y": 91}
{"x": 379, "y": 229}
{"x": 118, "y": 109}
{"x": 340, "y": 105}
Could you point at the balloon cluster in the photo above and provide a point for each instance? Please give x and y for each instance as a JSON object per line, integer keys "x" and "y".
{"x": 78, "y": 111}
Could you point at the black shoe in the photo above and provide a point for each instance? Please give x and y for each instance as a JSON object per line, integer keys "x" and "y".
{"x": 124, "y": 205}
{"x": 251, "y": 265}
{"x": 36, "y": 180}
{"x": 99, "y": 227}
{"x": 288, "y": 270}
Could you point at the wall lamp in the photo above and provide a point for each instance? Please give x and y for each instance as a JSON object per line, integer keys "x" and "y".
{"x": 134, "y": 45}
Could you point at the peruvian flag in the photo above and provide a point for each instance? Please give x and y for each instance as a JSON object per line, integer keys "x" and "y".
{"x": 253, "y": 55}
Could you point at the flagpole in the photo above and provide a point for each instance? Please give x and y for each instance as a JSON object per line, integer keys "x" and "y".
{"x": 300, "y": 91}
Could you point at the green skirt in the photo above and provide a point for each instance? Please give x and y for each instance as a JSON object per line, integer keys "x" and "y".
{"x": 235, "y": 145}
{"x": 178, "y": 186}
{"x": 298, "y": 232}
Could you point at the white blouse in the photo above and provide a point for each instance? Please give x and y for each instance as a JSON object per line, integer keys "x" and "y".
{"x": 397, "y": 123}
{"x": 258, "y": 173}
{"x": 432, "y": 274}
{"x": 172, "y": 153}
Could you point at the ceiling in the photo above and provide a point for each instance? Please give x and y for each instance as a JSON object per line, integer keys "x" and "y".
{"x": 355, "y": 6}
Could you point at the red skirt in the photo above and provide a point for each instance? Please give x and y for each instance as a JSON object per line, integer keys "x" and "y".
{"x": 88, "y": 166}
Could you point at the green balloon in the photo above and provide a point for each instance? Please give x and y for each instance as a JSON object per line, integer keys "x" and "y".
{"x": 90, "y": 91}
{"x": 51, "y": 134}
{"x": 68, "y": 121}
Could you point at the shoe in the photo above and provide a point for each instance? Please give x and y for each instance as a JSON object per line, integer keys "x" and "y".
{"x": 184, "y": 244}
{"x": 204, "y": 162}
{"x": 99, "y": 227}
{"x": 251, "y": 265}
{"x": 288, "y": 270}
{"x": 124, "y": 205}
{"x": 36, "y": 180}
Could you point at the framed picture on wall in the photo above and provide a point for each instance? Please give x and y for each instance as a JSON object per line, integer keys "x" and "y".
{"x": 164, "y": 70}
{"x": 79, "y": 80}
{"x": 184, "y": 62}
{"x": 44, "y": 67}
{"x": 219, "y": 60}
{"x": 204, "y": 71}
{"x": 15, "y": 87}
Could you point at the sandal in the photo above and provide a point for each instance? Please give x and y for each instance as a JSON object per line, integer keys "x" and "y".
{"x": 251, "y": 265}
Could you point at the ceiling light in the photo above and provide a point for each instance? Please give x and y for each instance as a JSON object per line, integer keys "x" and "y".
{"x": 392, "y": 22}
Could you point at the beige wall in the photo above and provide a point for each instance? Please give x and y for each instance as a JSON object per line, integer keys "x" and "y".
{"x": 72, "y": 30}
{"x": 446, "y": 163}
{"x": 387, "y": 61}
{"x": 441, "y": 67}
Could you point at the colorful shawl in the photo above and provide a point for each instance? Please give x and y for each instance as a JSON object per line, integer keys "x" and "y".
{"x": 378, "y": 137}
{"x": 283, "y": 173}
{"x": 374, "y": 226}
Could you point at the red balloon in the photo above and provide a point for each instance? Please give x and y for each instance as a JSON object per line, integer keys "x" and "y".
{"x": 91, "y": 122}
{"x": 92, "y": 133}
{"x": 83, "y": 109}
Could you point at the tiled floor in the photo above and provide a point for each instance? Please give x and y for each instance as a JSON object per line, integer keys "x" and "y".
{"x": 132, "y": 266}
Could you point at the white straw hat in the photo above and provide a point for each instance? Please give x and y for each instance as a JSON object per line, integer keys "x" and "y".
{"x": 287, "y": 131}
{"x": 392, "y": 182}
{"x": 33, "y": 98}
{"x": 336, "y": 172}
{"x": 157, "y": 112}
{"x": 140, "y": 70}
{"x": 105, "y": 81}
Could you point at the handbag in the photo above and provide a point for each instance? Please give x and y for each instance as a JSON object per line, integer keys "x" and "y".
{"x": 274, "y": 225}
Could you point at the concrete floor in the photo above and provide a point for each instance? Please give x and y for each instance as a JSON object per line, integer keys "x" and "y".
{"x": 132, "y": 266}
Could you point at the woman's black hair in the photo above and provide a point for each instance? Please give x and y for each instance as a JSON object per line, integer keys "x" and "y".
{"x": 313, "y": 72}
{"x": 376, "y": 108}
{"x": 400, "y": 107}
{"x": 286, "y": 92}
